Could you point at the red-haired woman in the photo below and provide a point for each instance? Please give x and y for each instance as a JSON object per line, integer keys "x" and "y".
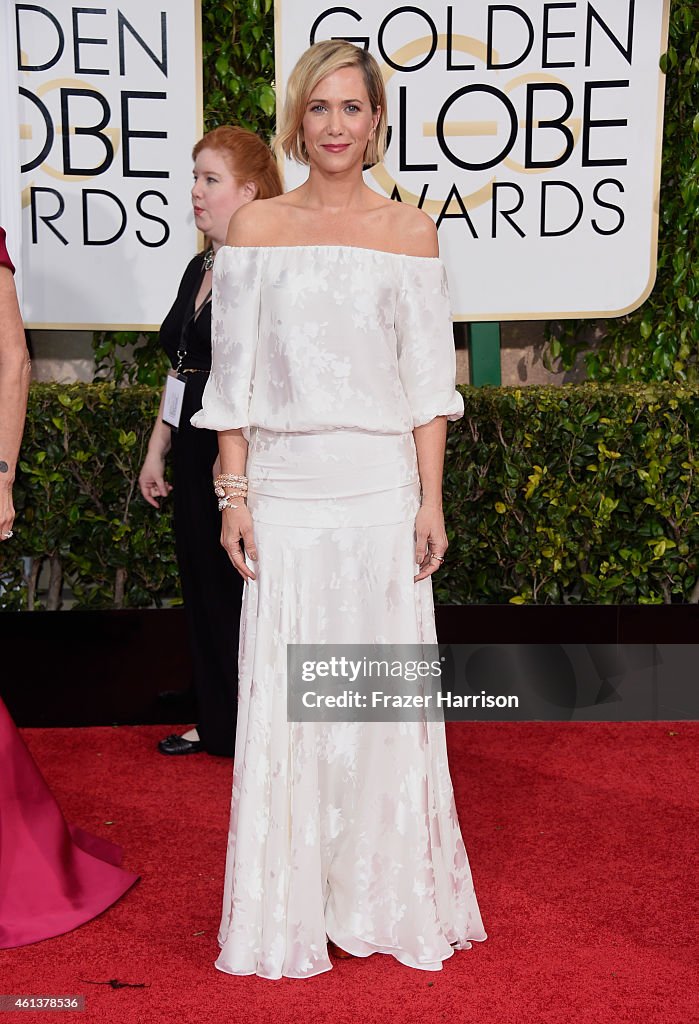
{"x": 232, "y": 167}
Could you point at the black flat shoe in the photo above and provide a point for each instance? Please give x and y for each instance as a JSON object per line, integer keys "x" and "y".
{"x": 179, "y": 745}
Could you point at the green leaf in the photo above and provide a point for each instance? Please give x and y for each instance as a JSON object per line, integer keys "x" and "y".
{"x": 268, "y": 100}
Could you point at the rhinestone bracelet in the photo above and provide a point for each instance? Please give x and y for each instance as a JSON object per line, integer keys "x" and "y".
{"x": 223, "y": 478}
{"x": 227, "y": 503}
{"x": 221, "y": 488}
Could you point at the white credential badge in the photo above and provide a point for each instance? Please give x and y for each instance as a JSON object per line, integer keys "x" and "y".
{"x": 173, "y": 398}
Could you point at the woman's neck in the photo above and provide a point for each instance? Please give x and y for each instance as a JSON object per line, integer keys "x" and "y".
{"x": 335, "y": 193}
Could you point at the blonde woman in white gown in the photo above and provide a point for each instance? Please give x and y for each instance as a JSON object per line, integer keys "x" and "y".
{"x": 331, "y": 386}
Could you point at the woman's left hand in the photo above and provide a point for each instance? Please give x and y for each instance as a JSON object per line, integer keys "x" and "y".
{"x": 431, "y": 540}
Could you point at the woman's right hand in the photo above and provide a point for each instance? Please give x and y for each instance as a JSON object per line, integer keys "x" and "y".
{"x": 152, "y": 479}
{"x": 236, "y": 525}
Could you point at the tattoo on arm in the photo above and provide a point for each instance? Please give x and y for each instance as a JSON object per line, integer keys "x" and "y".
{"x": 3, "y": 467}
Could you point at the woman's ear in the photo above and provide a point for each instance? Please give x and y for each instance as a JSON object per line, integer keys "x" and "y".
{"x": 250, "y": 191}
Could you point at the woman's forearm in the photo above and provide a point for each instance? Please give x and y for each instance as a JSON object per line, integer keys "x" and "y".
{"x": 233, "y": 451}
{"x": 15, "y": 373}
{"x": 430, "y": 442}
{"x": 161, "y": 436}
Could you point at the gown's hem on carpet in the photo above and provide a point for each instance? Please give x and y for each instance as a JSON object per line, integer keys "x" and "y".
{"x": 272, "y": 977}
{"x": 358, "y": 948}
{"x": 63, "y": 923}
{"x": 361, "y": 948}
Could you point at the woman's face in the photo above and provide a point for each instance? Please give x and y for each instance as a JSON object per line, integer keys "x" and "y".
{"x": 216, "y": 194}
{"x": 339, "y": 121}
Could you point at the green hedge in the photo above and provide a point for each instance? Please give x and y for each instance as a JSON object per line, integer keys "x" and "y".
{"x": 580, "y": 494}
{"x": 80, "y": 515}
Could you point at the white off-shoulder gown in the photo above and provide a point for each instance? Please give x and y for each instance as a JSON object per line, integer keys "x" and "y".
{"x": 327, "y": 357}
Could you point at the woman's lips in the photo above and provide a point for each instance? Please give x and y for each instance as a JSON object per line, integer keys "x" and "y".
{"x": 337, "y": 148}
{"x": 198, "y": 210}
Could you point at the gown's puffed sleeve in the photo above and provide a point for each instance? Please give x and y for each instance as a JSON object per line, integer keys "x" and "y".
{"x": 426, "y": 357}
{"x": 235, "y": 314}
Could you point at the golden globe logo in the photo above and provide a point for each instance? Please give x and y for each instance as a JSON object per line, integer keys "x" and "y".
{"x": 531, "y": 132}
{"x": 72, "y": 134}
{"x": 109, "y": 109}
{"x": 532, "y": 112}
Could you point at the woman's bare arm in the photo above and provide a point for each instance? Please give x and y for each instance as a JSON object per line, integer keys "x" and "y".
{"x": 15, "y": 372}
{"x": 151, "y": 479}
{"x": 236, "y": 522}
{"x": 430, "y": 534}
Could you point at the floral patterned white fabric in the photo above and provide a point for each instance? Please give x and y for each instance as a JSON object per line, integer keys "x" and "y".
{"x": 328, "y": 356}
{"x": 310, "y": 338}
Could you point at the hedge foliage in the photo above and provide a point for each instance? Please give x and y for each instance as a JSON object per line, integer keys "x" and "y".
{"x": 80, "y": 515}
{"x": 577, "y": 494}
{"x": 238, "y": 45}
{"x": 580, "y": 494}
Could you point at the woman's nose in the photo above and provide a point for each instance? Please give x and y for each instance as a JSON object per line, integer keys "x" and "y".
{"x": 335, "y": 122}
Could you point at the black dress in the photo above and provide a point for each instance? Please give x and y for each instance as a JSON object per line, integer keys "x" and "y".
{"x": 212, "y": 589}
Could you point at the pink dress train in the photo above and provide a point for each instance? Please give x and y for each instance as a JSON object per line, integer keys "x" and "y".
{"x": 53, "y": 876}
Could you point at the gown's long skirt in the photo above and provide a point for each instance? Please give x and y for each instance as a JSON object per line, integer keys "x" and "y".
{"x": 53, "y": 876}
{"x": 346, "y": 830}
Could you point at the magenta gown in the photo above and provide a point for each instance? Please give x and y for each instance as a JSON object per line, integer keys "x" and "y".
{"x": 53, "y": 876}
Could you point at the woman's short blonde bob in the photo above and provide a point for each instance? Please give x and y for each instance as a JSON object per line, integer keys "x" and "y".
{"x": 320, "y": 60}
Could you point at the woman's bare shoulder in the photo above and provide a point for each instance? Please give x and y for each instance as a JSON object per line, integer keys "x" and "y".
{"x": 256, "y": 223}
{"x": 413, "y": 231}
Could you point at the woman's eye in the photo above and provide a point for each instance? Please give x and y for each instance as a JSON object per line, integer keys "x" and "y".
{"x": 316, "y": 107}
{"x": 211, "y": 180}
{"x": 352, "y": 108}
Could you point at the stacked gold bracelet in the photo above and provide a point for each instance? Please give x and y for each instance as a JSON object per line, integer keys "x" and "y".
{"x": 230, "y": 485}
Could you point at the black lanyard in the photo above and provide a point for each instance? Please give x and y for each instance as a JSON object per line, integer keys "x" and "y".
{"x": 196, "y": 311}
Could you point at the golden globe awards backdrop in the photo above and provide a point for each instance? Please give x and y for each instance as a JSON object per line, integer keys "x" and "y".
{"x": 110, "y": 107}
{"x": 530, "y": 131}
{"x": 10, "y": 206}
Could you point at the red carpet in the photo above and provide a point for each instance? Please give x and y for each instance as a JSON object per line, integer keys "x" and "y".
{"x": 582, "y": 840}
